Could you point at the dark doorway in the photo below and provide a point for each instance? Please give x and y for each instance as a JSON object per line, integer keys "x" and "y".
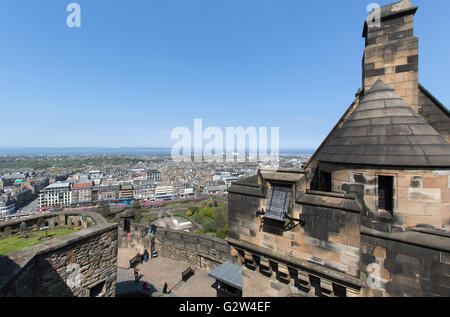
{"x": 126, "y": 225}
{"x": 386, "y": 193}
{"x": 325, "y": 182}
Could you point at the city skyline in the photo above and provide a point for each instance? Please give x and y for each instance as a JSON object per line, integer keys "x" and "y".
{"x": 134, "y": 72}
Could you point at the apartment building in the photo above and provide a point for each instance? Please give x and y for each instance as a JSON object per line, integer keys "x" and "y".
{"x": 82, "y": 193}
{"x": 55, "y": 195}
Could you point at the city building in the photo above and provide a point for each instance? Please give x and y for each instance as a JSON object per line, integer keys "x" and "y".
{"x": 369, "y": 215}
{"x": 187, "y": 192}
{"x": 154, "y": 174}
{"x": 95, "y": 188}
{"x": 82, "y": 193}
{"x": 55, "y": 195}
{"x": 108, "y": 192}
{"x": 126, "y": 192}
{"x": 23, "y": 195}
{"x": 145, "y": 190}
{"x": 215, "y": 187}
{"x": 7, "y": 206}
{"x": 164, "y": 192}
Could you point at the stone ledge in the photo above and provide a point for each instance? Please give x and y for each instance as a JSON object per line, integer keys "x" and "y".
{"x": 246, "y": 190}
{"x": 426, "y": 240}
{"x": 289, "y": 261}
{"x": 338, "y": 201}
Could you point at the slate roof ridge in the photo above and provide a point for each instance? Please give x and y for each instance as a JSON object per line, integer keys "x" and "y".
{"x": 434, "y": 100}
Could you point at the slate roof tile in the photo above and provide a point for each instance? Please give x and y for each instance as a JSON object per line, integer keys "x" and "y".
{"x": 393, "y": 135}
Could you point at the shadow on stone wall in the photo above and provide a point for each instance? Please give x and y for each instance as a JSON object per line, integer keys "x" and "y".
{"x": 34, "y": 279}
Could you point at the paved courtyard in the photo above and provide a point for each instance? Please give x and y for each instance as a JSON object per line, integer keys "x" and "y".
{"x": 159, "y": 270}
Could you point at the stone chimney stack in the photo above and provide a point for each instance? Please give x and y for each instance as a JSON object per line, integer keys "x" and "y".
{"x": 392, "y": 50}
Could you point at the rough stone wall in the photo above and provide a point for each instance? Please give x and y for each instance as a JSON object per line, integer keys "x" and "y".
{"x": 137, "y": 239}
{"x": 242, "y": 221}
{"x": 201, "y": 251}
{"x": 421, "y": 197}
{"x": 406, "y": 269}
{"x": 51, "y": 219}
{"x": 297, "y": 261}
{"x": 330, "y": 236}
{"x": 65, "y": 266}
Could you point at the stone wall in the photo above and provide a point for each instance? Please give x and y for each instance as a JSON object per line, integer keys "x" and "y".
{"x": 54, "y": 219}
{"x": 421, "y": 197}
{"x": 329, "y": 237}
{"x": 342, "y": 241}
{"x": 137, "y": 239}
{"x": 318, "y": 258}
{"x": 391, "y": 53}
{"x": 408, "y": 264}
{"x": 200, "y": 251}
{"x": 79, "y": 264}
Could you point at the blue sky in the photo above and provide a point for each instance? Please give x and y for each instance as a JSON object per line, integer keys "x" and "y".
{"x": 137, "y": 69}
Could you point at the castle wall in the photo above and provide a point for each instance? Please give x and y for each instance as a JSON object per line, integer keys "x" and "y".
{"x": 79, "y": 264}
{"x": 404, "y": 267}
{"x": 421, "y": 197}
{"x": 297, "y": 260}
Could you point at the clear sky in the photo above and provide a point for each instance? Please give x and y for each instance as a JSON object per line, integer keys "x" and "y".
{"x": 137, "y": 69}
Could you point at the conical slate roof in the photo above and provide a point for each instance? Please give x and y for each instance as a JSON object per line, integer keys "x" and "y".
{"x": 385, "y": 130}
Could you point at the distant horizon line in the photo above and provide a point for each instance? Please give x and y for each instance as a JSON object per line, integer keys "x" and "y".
{"x": 18, "y": 150}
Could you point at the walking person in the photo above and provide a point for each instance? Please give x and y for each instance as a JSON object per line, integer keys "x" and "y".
{"x": 146, "y": 254}
{"x": 165, "y": 288}
{"x": 136, "y": 275}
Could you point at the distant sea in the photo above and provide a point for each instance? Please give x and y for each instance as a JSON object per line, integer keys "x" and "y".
{"x": 43, "y": 151}
{"x": 37, "y": 151}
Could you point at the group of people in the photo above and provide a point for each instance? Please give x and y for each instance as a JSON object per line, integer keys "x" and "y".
{"x": 144, "y": 258}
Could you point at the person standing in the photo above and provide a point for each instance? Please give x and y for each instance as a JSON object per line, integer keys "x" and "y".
{"x": 165, "y": 288}
{"x": 146, "y": 254}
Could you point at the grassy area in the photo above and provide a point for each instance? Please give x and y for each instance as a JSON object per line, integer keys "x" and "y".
{"x": 11, "y": 244}
{"x": 187, "y": 203}
{"x": 147, "y": 217}
{"x": 214, "y": 219}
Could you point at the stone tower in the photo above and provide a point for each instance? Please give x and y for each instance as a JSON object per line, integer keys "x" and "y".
{"x": 391, "y": 51}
